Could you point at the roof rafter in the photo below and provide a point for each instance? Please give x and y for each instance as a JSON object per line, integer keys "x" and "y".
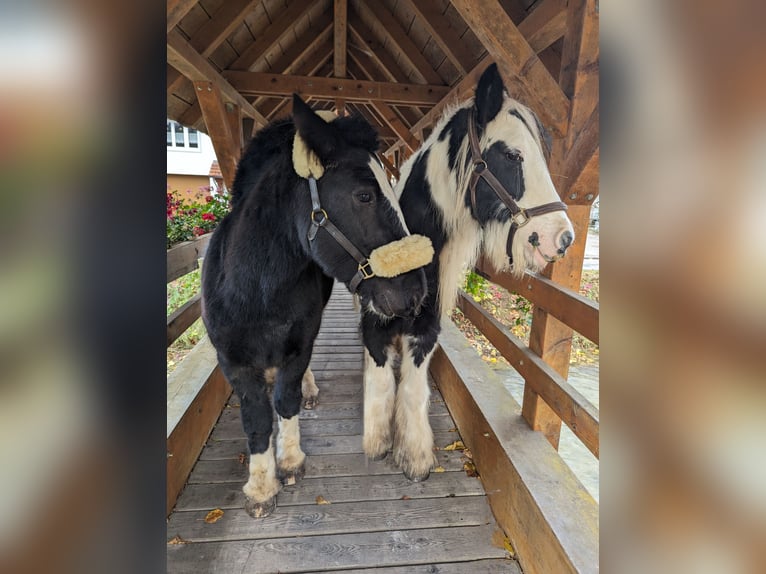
{"x": 445, "y": 36}
{"x": 340, "y": 33}
{"x": 214, "y": 32}
{"x": 396, "y": 34}
{"x": 273, "y": 34}
{"x": 176, "y": 10}
{"x": 191, "y": 64}
{"x": 516, "y": 58}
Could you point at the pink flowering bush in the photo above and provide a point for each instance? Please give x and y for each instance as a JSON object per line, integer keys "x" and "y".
{"x": 187, "y": 221}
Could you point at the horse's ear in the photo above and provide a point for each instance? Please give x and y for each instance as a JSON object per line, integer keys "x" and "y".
{"x": 489, "y": 95}
{"x": 320, "y": 137}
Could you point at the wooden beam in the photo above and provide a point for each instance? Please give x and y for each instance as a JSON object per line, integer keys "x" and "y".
{"x": 551, "y": 520}
{"x": 568, "y": 164}
{"x": 579, "y": 80}
{"x": 533, "y": 28}
{"x": 259, "y": 84}
{"x": 183, "y": 317}
{"x": 272, "y": 34}
{"x": 384, "y": 131}
{"x": 396, "y": 34}
{"x": 227, "y": 148}
{"x": 214, "y": 32}
{"x": 340, "y": 33}
{"x": 176, "y": 10}
{"x": 197, "y": 392}
{"x": 568, "y": 404}
{"x": 184, "y": 58}
{"x": 545, "y": 24}
{"x": 516, "y": 58}
{"x": 388, "y": 115}
{"x": 566, "y": 305}
{"x": 551, "y": 339}
{"x": 445, "y": 36}
{"x": 234, "y": 116}
{"x": 315, "y": 59}
{"x": 184, "y": 257}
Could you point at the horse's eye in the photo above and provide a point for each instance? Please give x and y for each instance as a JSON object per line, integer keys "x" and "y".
{"x": 514, "y": 156}
{"x": 364, "y": 197}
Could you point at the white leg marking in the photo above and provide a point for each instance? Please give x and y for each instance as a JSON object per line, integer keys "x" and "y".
{"x": 414, "y": 439}
{"x": 309, "y": 390}
{"x": 290, "y": 457}
{"x": 262, "y": 484}
{"x": 379, "y": 393}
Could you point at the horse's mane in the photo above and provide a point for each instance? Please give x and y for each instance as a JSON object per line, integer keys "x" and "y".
{"x": 271, "y": 149}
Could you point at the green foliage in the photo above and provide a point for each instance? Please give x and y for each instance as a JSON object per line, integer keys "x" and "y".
{"x": 180, "y": 290}
{"x": 523, "y": 307}
{"x": 476, "y": 286}
{"x": 186, "y": 221}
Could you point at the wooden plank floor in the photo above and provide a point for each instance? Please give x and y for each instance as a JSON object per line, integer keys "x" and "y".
{"x": 377, "y": 521}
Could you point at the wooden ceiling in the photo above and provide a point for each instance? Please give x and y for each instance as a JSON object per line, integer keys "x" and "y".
{"x": 398, "y": 63}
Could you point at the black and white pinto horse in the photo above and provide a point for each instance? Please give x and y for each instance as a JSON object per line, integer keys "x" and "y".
{"x": 480, "y": 181}
{"x": 270, "y": 266}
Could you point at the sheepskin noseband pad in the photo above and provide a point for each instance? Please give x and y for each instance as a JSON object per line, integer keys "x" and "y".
{"x": 401, "y": 256}
{"x": 305, "y": 161}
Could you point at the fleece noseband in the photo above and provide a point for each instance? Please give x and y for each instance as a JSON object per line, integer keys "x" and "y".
{"x": 389, "y": 260}
{"x": 519, "y": 216}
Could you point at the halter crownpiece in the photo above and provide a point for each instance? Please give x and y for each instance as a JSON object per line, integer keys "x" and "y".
{"x": 389, "y": 260}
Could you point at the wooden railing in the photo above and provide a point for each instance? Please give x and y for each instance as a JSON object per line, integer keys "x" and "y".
{"x": 567, "y": 306}
{"x": 197, "y": 389}
{"x": 540, "y": 504}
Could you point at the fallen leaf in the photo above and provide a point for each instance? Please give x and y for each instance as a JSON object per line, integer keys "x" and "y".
{"x": 500, "y": 540}
{"x": 439, "y": 469}
{"x": 214, "y": 516}
{"x": 467, "y": 453}
{"x": 453, "y": 429}
{"x": 321, "y": 500}
{"x": 405, "y": 497}
{"x": 457, "y": 445}
{"x": 177, "y": 540}
{"x": 470, "y": 468}
{"x": 242, "y": 458}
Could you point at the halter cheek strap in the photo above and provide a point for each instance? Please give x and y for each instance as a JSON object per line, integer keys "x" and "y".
{"x": 319, "y": 220}
{"x": 406, "y": 254}
{"x": 519, "y": 216}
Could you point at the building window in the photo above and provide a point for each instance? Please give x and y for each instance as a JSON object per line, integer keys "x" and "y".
{"x": 180, "y": 137}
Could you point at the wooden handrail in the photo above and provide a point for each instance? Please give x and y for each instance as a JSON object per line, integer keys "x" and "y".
{"x": 569, "y": 307}
{"x": 183, "y": 317}
{"x": 572, "y": 407}
{"x": 182, "y": 258}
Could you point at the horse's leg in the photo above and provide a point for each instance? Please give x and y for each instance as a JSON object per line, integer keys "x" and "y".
{"x": 287, "y": 403}
{"x": 309, "y": 389}
{"x": 413, "y": 437}
{"x": 379, "y": 388}
{"x": 262, "y": 486}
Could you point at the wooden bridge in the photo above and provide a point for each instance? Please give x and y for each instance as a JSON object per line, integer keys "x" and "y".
{"x": 348, "y": 512}
{"x": 399, "y": 64}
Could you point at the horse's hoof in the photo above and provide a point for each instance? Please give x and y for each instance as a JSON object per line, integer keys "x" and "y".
{"x": 260, "y": 509}
{"x": 310, "y": 402}
{"x": 417, "y": 477}
{"x": 380, "y": 456}
{"x": 290, "y": 477}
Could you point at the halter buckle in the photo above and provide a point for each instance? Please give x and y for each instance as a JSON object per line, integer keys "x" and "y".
{"x": 520, "y": 222}
{"x": 322, "y": 221}
{"x": 479, "y": 164}
{"x": 366, "y": 270}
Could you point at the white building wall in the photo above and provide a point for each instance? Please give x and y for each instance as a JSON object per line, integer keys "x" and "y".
{"x": 182, "y": 161}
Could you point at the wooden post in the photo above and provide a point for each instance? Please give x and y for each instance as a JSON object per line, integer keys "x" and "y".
{"x": 227, "y": 147}
{"x": 550, "y": 338}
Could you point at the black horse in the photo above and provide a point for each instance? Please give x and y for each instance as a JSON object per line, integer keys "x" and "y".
{"x": 480, "y": 182}
{"x": 270, "y": 266}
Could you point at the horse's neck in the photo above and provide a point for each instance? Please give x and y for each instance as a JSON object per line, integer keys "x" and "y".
{"x": 463, "y": 232}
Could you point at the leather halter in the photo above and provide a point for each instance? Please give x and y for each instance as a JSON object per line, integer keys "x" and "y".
{"x": 519, "y": 216}
{"x": 319, "y": 219}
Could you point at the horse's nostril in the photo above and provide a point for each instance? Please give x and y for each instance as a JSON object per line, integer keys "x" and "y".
{"x": 565, "y": 241}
